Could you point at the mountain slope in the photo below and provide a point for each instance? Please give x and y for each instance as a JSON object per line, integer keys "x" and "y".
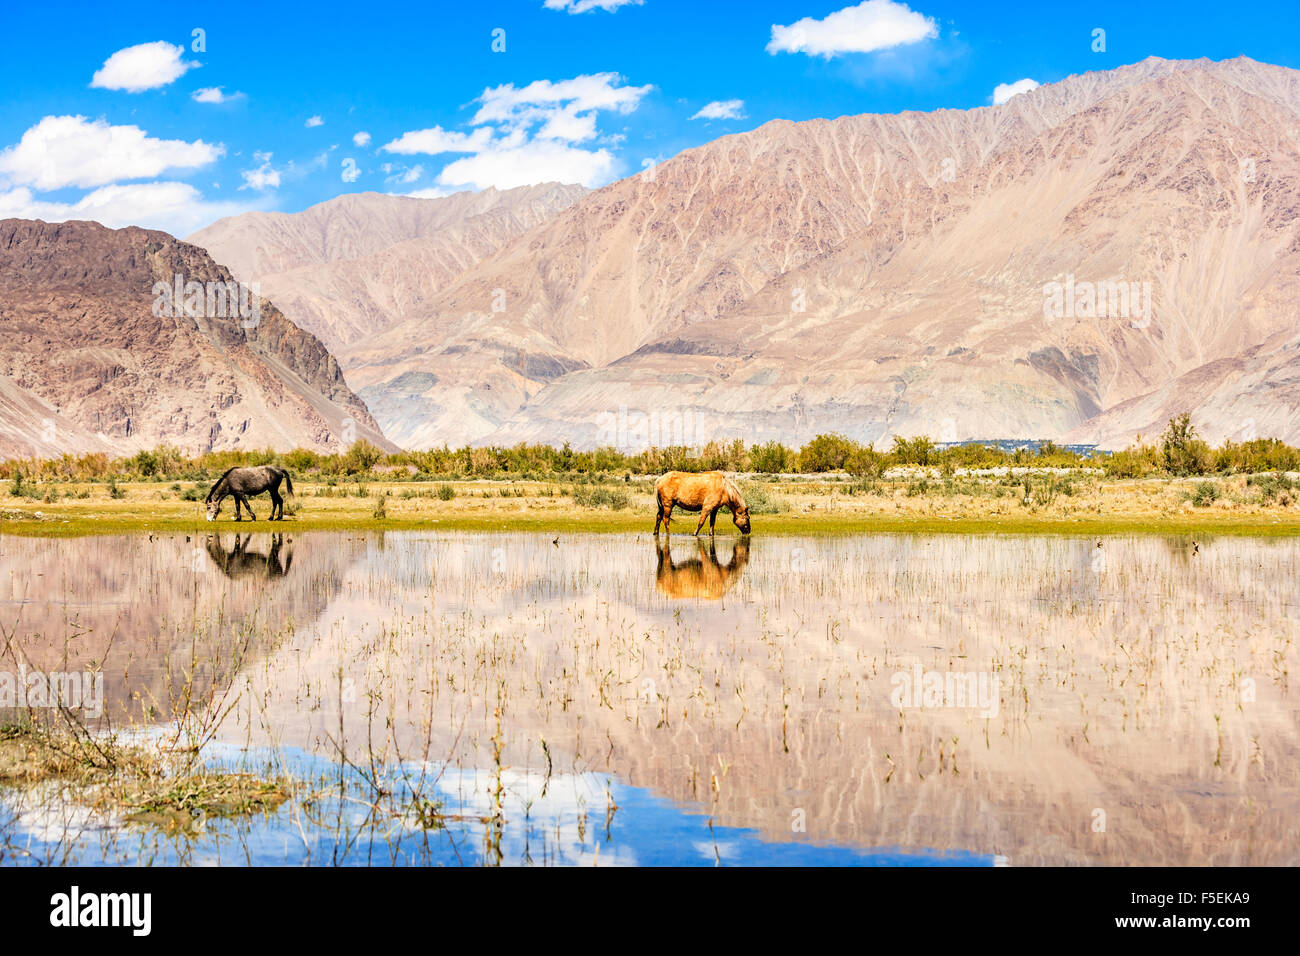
{"x": 88, "y": 364}
{"x": 873, "y": 275}
{"x": 350, "y": 267}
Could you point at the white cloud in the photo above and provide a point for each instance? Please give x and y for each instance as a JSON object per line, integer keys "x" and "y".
{"x": 438, "y": 140}
{"x": 64, "y": 151}
{"x": 526, "y": 135}
{"x": 361, "y": 139}
{"x": 214, "y": 94}
{"x": 142, "y": 67}
{"x": 537, "y": 101}
{"x": 870, "y": 26}
{"x": 586, "y": 6}
{"x": 261, "y": 177}
{"x": 1004, "y": 91}
{"x": 538, "y": 161}
{"x": 722, "y": 109}
{"x": 177, "y": 208}
{"x": 314, "y": 121}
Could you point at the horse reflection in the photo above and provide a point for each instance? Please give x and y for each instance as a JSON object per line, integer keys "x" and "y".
{"x": 241, "y": 562}
{"x": 702, "y": 576}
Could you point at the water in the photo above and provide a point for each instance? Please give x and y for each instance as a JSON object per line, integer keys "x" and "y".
{"x": 597, "y": 700}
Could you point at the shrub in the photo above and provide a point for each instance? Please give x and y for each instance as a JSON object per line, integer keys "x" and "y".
{"x": 446, "y": 492}
{"x": 826, "y": 453}
{"x": 598, "y": 497}
{"x": 771, "y": 458}
{"x": 1183, "y": 452}
{"x": 1206, "y": 493}
{"x": 761, "y": 501}
{"x": 913, "y": 451}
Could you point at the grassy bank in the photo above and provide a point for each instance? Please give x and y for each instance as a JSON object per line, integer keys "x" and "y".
{"x": 1057, "y": 501}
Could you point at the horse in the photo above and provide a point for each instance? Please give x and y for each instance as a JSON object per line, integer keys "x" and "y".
{"x": 243, "y": 483}
{"x": 704, "y": 492}
{"x": 242, "y": 562}
{"x": 700, "y": 577}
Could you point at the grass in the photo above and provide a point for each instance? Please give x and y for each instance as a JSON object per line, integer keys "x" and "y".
{"x": 1072, "y": 504}
{"x": 142, "y": 784}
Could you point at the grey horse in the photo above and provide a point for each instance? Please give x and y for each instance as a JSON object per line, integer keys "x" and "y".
{"x": 243, "y": 483}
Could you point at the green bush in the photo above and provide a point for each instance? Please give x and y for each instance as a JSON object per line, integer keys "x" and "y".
{"x": 601, "y": 497}
{"x": 771, "y": 458}
{"x": 1183, "y": 452}
{"x": 446, "y": 492}
{"x": 761, "y": 501}
{"x": 1206, "y": 493}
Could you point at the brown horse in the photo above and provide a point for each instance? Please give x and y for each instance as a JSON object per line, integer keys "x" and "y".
{"x": 705, "y": 492}
{"x": 702, "y": 577}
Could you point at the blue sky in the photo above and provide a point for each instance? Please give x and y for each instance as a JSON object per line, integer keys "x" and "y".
{"x": 103, "y": 114}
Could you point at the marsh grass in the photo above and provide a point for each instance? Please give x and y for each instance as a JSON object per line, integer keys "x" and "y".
{"x": 140, "y": 783}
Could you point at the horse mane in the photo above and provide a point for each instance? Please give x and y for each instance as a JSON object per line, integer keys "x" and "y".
{"x": 733, "y": 491}
{"x": 218, "y": 483}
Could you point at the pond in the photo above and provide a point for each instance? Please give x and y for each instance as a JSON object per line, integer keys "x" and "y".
{"x": 525, "y": 699}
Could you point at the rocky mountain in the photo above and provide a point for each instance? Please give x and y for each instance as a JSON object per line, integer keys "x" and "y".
{"x": 1077, "y": 263}
{"x": 117, "y": 340}
{"x": 353, "y": 266}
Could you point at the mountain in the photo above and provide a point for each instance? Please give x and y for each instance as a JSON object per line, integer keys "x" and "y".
{"x": 1077, "y": 263}
{"x": 350, "y": 267}
{"x": 93, "y": 356}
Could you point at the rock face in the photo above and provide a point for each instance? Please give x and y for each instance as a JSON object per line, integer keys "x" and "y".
{"x": 90, "y": 360}
{"x": 1078, "y": 263}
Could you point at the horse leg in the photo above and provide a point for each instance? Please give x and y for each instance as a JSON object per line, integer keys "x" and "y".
{"x": 276, "y": 502}
{"x": 713, "y": 516}
{"x": 668, "y": 519}
{"x": 249, "y": 505}
{"x": 660, "y": 516}
{"x": 238, "y": 513}
{"x": 704, "y": 513}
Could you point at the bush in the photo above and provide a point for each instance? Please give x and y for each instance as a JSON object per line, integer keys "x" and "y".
{"x": 598, "y": 497}
{"x": 1273, "y": 488}
{"x": 1206, "y": 493}
{"x": 446, "y": 492}
{"x": 771, "y": 458}
{"x": 761, "y": 501}
{"x": 1183, "y": 452}
{"x": 826, "y": 453}
{"x": 913, "y": 451}
{"x": 1137, "y": 462}
{"x": 361, "y": 457}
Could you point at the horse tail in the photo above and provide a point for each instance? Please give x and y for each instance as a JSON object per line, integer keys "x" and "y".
{"x": 288, "y": 482}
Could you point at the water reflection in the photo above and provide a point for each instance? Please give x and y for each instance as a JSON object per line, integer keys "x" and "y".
{"x": 1150, "y": 683}
{"x": 701, "y": 576}
{"x": 242, "y": 561}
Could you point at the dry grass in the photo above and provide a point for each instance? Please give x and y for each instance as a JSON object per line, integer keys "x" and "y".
{"x": 1079, "y": 502}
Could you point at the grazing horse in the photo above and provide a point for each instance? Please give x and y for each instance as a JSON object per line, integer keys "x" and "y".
{"x": 703, "y": 577}
{"x": 243, "y": 483}
{"x": 241, "y": 562}
{"x": 705, "y": 493}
